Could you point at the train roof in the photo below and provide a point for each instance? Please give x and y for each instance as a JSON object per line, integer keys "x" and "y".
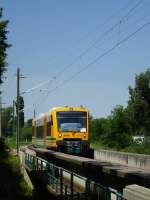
{"x": 39, "y": 118}
{"x": 69, "y": 108}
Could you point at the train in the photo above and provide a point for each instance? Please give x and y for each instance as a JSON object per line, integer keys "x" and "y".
{"x": 63, "y": 129}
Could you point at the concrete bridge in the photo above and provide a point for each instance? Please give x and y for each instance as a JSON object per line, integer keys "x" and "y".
{"x": 72, "y": 177}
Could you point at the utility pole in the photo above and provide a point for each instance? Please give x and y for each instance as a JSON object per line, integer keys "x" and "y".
{"x": 18, "y": 108}
{"x": 18, "y": 94}
{"x": 13, "y": 129}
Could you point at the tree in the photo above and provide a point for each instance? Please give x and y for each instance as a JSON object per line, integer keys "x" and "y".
{"x": 119, "y": 133}
{"x": 3, "y": 47}
{"x": 29, "y": 122}
{"x": 7, "y": 121}
{"x": 139, "y": 104}
{"x": 26, "y": 131}
{"x": 98, "y": 128}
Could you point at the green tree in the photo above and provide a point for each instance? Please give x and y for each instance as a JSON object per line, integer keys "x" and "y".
{"x": 7, "y": 121}
{"x": 98, "y": 128}
{"x": 3, "y": 47}
{"x": 119, "y": 133}
{"x": 26, "y": 131}
{"x": 29, "y": 122}
{"x": 139, "y": 104}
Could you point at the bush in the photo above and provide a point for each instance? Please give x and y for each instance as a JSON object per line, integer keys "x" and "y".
{"x": 26, "y": 133}
{"x": 143, "y": 148}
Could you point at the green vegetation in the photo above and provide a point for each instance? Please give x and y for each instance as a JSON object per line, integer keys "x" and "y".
{"x": 26, "y": 134}
{"x": 12, "y": 184}
{"x": 7, "y": 121}
{"x": 11, "y": 142}
{"x": 3, "y": 46}
{"x": 9, "y": 126}
{"x": 117, "y": 131}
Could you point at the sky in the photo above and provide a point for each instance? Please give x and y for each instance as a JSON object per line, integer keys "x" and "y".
{"x": 63, "y": 45}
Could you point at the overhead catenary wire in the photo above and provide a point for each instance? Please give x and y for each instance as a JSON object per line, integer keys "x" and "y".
{"x": 132, "y": 9}
{"x": 101, "y": 56}
{"x": 100, "y": 38}
{"x": 78, "y": 57}
{"x": 98, "y": 58}
{"x": 38, "y": 86}
{"x": 83, "y": 53}
{"x": 95, "y": 60}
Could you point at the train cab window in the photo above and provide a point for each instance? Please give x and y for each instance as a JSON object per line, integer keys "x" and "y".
{"x": 72, "y": 121}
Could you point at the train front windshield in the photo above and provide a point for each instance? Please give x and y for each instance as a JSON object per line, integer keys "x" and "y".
{"x": 72, "y": 121}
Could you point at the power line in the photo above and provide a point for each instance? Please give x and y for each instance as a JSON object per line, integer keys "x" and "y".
{"x": 38, "y": 86}
{"x": 132, "y": 9}
{"x": 99, "y": 38}
{"x": 85, "y": 36}
{"x": 92, "y": 44}
{"x": 101, "y": 56}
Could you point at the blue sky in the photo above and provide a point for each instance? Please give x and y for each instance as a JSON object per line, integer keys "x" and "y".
{"x": 48, "y": 35}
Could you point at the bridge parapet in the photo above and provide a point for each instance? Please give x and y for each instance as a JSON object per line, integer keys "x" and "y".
{"x": 65, "y": 184}
{"x": 130, "y": 159}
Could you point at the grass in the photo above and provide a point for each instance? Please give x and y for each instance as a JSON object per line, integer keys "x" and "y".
{"x": 143, "y": 148}
{"x": 11, "y": 142}
{"x": 12, "y": 184}
{"x": 100, "y": 145}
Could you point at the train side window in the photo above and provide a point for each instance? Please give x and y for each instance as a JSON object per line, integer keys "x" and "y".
{"x": 51, "y": 120}
{"x": 48, "y": 129}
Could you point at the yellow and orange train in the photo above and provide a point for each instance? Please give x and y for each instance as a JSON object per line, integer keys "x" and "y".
{"x": 64, "y": 129}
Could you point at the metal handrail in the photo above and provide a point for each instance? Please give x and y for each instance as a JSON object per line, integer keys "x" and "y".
{"x": 54, "y": 174}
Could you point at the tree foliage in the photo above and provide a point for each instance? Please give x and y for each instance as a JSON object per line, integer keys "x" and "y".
{"x": 7, "y": 121}
{"x": 119, "y": 135}
{"x": 116, "y": 130}
{"x": 3, "y": 47}
{"x": 29, "y": 123}
{"x": 139, "y": 104}
{"x": 99, "y": 128}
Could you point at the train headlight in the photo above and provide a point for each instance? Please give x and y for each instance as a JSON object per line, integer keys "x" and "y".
{"x": 84, "y": 135}
{"x": 60, "y": 135}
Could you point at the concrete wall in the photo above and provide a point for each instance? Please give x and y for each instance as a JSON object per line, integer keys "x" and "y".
{"x": 134, "y": 160}
{"x": 136, "y": 192}
{"x": 23, "y": 170}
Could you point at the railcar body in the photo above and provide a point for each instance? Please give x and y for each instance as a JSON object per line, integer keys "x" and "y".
{"x": 63, "y": 129}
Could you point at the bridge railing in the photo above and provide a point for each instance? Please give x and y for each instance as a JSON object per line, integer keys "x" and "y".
{"x": 68, "y": 185}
